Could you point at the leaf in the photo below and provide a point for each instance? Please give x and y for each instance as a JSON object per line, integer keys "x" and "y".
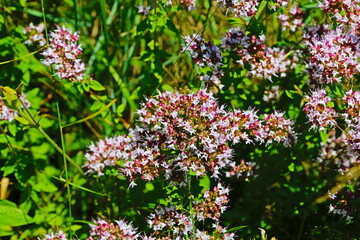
{"x": 44, "y": 184}
{"x": 291, "y": 167}
{"x": 10, "y": 98}
{"x": 12, "y": 216}
{"x": 324, "y": 136}
{"x": 120, "y": 109}
{"x": 204, "y": 183}
{"x": 95, "y": 85}
{"x": 22, "y": 120}
{"x": 260, "y": 9}
{"x": 6, "y": 231}
{"x": 289, "y": 94}
{"x": 236, "y": 228}
{"x": 19, "y": 89}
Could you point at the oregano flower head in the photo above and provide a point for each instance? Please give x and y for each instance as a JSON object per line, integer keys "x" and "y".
{"x": 64, "y": 54}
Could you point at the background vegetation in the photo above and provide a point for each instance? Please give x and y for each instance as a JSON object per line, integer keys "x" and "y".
{"x": 131, "y": 56}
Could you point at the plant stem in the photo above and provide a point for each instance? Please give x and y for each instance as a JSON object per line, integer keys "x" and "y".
{"x": 39, "y": 128}
{"x": 65, "y": 164}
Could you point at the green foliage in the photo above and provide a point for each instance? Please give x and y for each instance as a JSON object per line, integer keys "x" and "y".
{"x": 129, "y": 57}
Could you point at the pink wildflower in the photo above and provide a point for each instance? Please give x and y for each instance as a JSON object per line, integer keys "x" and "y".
{"x": 178, "y": 133}
{"x": 264, "y": 62}
{"x": 318, "y": 110}
{"x": 244, "y": 170}
{"x": 219, "y": 233}
{"x": 204, "y": 54}
{"x": 240, "y": 8}
{"x": 8, "y": 114}
{"x": 354, "y": 139}
{"x": 143, "y": 10}
{"x": 101, "y": 229}
{"x": 333, "y": 54}
{"x": 54, "y": 236}
{"x": 291, "y": 21}
{"x": 343, "y": 203}
{"x": 278, "y": 129}
{"x": 346, "y": 13}
{"x": 35, "y": 34}
{"x": 213, "y": 203}
{"x": 63, "y": 53}
{"x": 272, "y": 95}
{"x": 337, "y": 154}
{"x": 189, "y": 4}
{"x": 170, "y": 222}
{"x": 352, "y": 114}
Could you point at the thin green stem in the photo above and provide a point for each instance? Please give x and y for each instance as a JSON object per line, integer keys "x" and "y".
{"x": 37, "y": 126}
{"x": 65, "y": 164}
{"x": 58, "y": 148}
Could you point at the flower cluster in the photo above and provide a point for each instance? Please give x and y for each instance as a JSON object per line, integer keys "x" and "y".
{"x": 334, "y": 54}
{"x": 204, "y": 54}
{"x": 352, "y": 101}
{"x": 6, "y": 113}
{"x": 213, "y": 203}
{"x": 170, "y": 222}
{"x": 250, "y": 52}
{"x": 336, "y": 153}
{"x": 343, "y": 204}
{"x": 35, "y": 34}
{"x": 101, "y": 229}
{"x": 352, "y": 119}
{"x": 63, "y": 54}
{"x": 346, "y": 13}
{"x": 219, "y": 233}
{"x": 189, "y": 4}
{"x": 319, "y": 110}
{"x": 264, "y": 61}
{"x": 278, "y": 129}
{"x": 9, "y": 114}
{"x": 244, "y": 170}
{"x": 275, "y": 4}
{"x": 54, "y": 236}
{"x": 178, "y": 133}
{"x": 354, "y": 138}
{"x": 240, "y": 8}
{"x": 272, "y": 95}
{"x": 143, "y": 10}
{"x": 291, "y": 21}
{"x": 106, "y": 153}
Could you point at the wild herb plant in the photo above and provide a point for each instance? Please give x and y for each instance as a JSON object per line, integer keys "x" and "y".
{"x": 179, "y": 119}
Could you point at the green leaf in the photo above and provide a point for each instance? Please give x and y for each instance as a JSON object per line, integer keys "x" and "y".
{"x": 337, "y": 91}
{"x": 236, "y": 228}
{"x": 22, "y": 120}
{"x": 260, "y": 9}
{"x": 6, "y": 231}
{"x": 10, "y": 98}
{"x": 44, "y": 184}
{"x": 12, "y": 216}
{"x": 120, "y": 109}
{"x": 324, "y": 136}
{"x": 291, "y": 167}
{"x": 95, "y": 85}
{"x": 8, "y": 170}
{"x": 204, "y": 183}
{"x": 289, "y": 94}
